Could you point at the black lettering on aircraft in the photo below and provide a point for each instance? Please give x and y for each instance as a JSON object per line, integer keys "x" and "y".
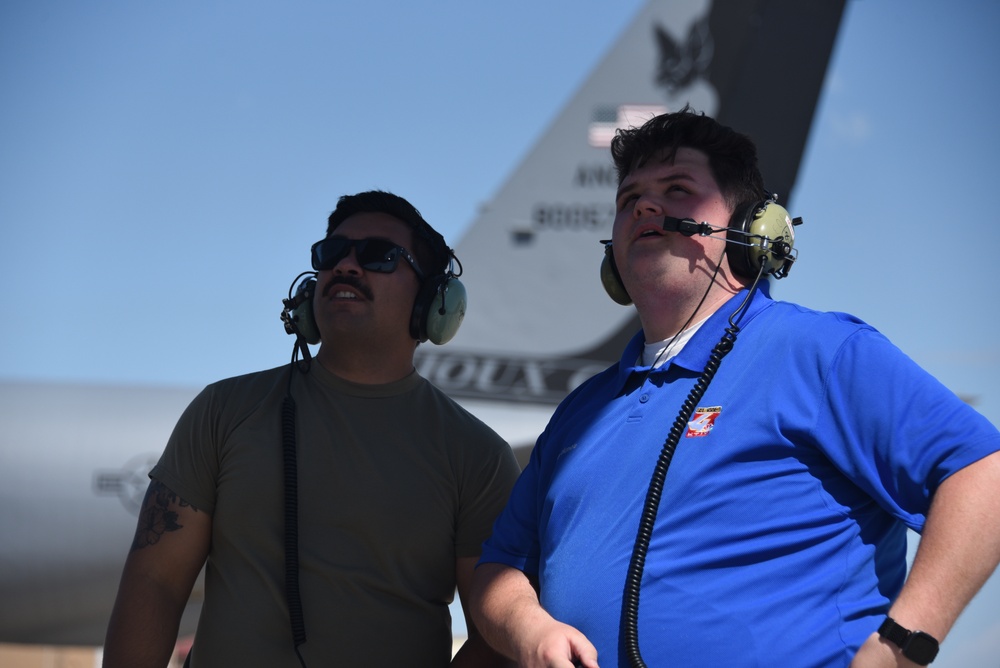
{"x": 480, "y": 376}
{"x": 572, "y": 216}
{"x": 595, "y": 176}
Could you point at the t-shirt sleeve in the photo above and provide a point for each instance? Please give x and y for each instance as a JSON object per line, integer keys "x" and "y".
{"x": 489, "y": 479}
{"x": 189, "y": 463}
{"x": 514, "y": 541}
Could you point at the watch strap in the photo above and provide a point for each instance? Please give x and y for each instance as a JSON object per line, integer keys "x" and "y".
{"x": 917, "y": 646}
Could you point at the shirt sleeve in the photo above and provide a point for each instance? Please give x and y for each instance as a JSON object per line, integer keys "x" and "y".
{"x": 490, "y": 476}
{"x": 189, "y": 464}
{"x": 898, "y": 431}
{"x": 515, "y": 541}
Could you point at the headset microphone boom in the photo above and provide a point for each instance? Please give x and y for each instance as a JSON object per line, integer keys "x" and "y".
{"x": 759, "y": 236}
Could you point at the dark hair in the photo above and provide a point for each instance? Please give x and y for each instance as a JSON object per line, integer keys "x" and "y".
{"x": 430, "y": 249}
{"x": 732, "y": 156}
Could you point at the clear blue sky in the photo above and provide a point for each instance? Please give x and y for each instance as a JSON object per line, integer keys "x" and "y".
{"x": 164, "y": 167}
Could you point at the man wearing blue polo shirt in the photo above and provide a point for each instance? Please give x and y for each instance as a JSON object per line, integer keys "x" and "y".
{"x": 736, "y": 491}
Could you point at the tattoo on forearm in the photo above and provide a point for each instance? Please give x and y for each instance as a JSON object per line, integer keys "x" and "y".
{"x": 156, "y": 516}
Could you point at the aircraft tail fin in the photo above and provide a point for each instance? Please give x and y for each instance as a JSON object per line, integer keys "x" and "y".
{"x": 538, "y": 319}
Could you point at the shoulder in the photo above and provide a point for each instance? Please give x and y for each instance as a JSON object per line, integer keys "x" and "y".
{"x": 798, "y": 326}
{"x": 437, "y": 406}
{"x": 250, "y": 384}
{"x": 265, "y": 378}
{"x": 240, "y": 394}
{"x": 792, "y": 312}
{"x": 471, "y": 444}
{"x": 586, "y": 401}
{"x": 597, "y": 386}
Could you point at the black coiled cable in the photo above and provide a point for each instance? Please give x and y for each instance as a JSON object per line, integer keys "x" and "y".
{"x": 291, "y": 498}
{"x": 633, "y": 578}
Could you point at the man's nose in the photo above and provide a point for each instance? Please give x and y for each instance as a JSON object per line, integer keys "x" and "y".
{"x": 647, "y": 205}
{"x": 349, "y": 263}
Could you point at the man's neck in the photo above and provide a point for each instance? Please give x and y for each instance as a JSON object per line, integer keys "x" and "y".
{"x": 361, "y": 364}
{"x": 664, "y": 316}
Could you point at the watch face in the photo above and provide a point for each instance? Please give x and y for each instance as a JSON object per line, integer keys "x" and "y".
{"x": 921, "y": 648}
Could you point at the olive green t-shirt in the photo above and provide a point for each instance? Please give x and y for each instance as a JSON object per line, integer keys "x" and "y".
{"x": 394, "y": 483}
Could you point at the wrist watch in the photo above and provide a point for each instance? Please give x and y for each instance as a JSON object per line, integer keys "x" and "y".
{"x": 917, "y": 646}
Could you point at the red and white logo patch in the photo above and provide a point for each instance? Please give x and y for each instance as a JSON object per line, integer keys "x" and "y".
{"x": 703, "y": 420}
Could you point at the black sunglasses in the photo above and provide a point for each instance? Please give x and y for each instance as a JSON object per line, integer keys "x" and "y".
{"x": 374, "y": 254}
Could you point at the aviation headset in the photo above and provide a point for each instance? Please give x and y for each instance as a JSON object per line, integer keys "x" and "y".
{"x": 437, "y": 313}
{"x": 759, "y": 235}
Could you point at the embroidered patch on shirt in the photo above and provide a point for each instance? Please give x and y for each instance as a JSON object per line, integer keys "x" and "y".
{"x": 702, "y": 421}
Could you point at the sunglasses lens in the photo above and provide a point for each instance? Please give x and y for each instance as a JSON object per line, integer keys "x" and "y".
{"x": 373, "y": 254}
{"x": 378, "y": 255}
{"x": 328, "y": 252}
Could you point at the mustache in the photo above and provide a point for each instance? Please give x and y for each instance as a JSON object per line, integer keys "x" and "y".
{"x": 347, "y": 279}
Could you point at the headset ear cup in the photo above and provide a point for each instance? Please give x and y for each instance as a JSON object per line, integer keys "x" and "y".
{"x": 739, "y": 255}
{"x": 447, "y": 311}
{"x": 612, "y": 280}
{"x": 302, "y": 315}
{"x": 772, "y": 222}
{"x": 439, "y": 309}
{"x": 765, "y": 220}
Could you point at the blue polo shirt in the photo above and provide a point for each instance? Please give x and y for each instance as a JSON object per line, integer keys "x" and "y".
{"x": 780, "y": 538}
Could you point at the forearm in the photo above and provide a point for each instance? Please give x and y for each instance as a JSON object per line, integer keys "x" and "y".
{"x": 143, "y": 628}
{"x": 160, "y": 570}
{"x": 508, "y": 614}
{"x": 504, "y": 603}
{"x": 959, "y": 550}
